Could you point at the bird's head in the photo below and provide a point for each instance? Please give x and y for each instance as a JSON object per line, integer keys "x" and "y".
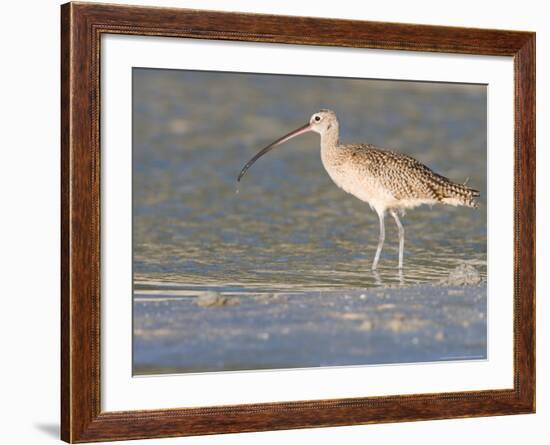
{"x": 322, "y": 122}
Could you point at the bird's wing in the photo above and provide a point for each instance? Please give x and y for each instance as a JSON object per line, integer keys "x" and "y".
{"x": 406, "y": 178}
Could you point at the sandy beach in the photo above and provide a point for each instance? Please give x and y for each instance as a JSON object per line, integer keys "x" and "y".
{"x": 181, "y": 331}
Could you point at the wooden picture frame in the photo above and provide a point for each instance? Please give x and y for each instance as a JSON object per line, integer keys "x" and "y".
{"x": 82, "y": 26}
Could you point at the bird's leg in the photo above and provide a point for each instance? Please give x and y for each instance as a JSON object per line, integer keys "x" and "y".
{"x": 381, "y": 239}
{"x": 401, "y": 231}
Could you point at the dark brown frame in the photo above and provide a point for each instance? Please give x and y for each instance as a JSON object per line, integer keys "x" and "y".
{"x": 82, "y": 25}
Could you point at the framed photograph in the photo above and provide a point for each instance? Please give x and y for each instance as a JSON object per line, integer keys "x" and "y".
{"x": 274, "y": 222}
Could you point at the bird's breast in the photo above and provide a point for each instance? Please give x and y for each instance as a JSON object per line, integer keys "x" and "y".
{"x": 353, "y": 176}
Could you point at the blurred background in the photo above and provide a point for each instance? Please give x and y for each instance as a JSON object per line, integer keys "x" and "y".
{"x": 289, "y": 227}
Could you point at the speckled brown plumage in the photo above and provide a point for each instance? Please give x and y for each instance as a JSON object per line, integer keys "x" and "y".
{"x": 405, "y": 177}
{"x": 386, "y": 180}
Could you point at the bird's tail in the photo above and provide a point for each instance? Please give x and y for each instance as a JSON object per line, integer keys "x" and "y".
{"x": 459, "y": 195}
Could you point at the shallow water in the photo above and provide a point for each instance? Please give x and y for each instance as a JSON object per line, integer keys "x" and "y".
{"x": 175, "y": 332}
{"x": 289, "y": 227}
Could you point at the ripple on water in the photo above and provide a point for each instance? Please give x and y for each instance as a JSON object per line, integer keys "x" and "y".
{"x": 286, "y": 225}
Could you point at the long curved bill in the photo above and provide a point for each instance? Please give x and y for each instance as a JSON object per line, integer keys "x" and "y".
{"x": 263, "y": 151}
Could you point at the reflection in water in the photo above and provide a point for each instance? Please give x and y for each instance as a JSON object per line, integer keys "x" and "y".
{"x": 289, "y": 227}
{"x": 401, "y": 276}
{"x": 377, "y": 278}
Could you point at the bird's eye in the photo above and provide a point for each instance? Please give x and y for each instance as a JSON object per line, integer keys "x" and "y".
{"x": 317, "y": 118}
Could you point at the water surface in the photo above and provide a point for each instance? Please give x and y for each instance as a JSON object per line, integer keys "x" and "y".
{"x": 289, "y": 227}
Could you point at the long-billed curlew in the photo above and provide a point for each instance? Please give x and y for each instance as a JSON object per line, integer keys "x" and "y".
{"x": 387, "y": 181}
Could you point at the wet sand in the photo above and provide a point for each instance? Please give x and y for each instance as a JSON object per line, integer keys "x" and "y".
{"x": 180, "y": 331}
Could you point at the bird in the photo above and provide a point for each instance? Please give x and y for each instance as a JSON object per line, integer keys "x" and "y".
{"x": 390, "y": 182}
